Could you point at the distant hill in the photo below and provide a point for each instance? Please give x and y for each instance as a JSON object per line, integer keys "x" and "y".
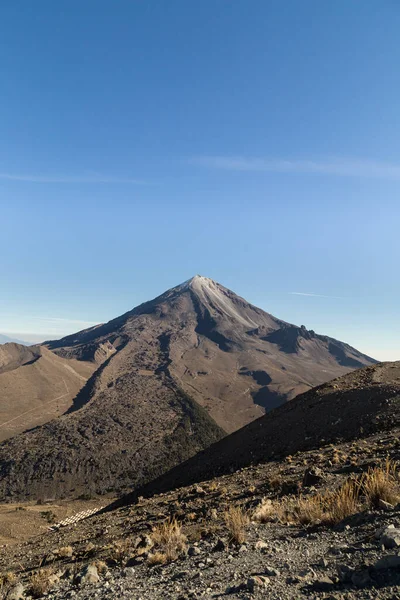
{"x": 35, "y": 386}
{"x": 172, "y": 376}
{"x": 4, "y": 339}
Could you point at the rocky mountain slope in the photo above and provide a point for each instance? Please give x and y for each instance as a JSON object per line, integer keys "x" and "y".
{"x": 173, "y": 375}
{"x": 234, "y": 359}
{"x": 360, "y": 403}
{"x": 256, "y": 533}
{"x": 36, "y": 386}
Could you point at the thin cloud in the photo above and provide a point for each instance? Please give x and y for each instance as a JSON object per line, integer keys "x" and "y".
{"x": 315, "y": 295}
{"x": 91, "y": 179}
{"x": 340, "y": 167}
{"x": 50, "y": 320}
{"x": 62, "y": 320}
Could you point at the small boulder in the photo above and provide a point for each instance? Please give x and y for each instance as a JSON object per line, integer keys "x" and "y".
{"x": 345, "y": 573}
{"x": 143, "y": 542}
{"x": 271, "y": 572}
{"x": 323, "y": 584}
{"x": 220, "y": 546}
{"x": 379, "y": 532}
{"x": 361, "y": 579}
{"x": 134, "y": 561}
{"x": 392, "y": 561}
{"x": 128, "y": 572}
{"x": 256, "y": 582}
{"x": 16, "y": 592}
{"x": 383, "y": 505}
{"x": 390, "y": 537}
{"x": 262, "y": 546}
{"x": 312, "y": 476}
{"x": 89, "y": 574}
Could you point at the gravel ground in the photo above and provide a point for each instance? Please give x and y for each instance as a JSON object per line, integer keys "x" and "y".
{"x": 108, "y": 556}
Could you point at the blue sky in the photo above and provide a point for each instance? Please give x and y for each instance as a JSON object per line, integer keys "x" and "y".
{"x": 254, "y": 142}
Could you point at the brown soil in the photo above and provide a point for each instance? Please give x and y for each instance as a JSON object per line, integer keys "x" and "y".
{"x": 36, "y": 386}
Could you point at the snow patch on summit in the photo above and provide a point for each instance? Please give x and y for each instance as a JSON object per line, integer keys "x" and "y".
{"x": 208, "y": 290}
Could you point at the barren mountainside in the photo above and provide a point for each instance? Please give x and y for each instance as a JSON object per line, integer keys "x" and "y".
{"x": 172, "y": 376}
{"x": 357, "y": 405}
{"x": 36, "y": 386}
{"x": 322, "y": 523}
{"x": 234, "y": 359}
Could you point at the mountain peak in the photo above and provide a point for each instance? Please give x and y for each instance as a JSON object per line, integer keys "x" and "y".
{"x": 198, "y": 281}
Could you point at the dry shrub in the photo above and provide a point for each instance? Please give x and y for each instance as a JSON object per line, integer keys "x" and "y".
{"x": 213, "y": 486}
{"x": 329, "y": 508}
{"x": 65, "y": 552}
{"x": 266, "y": 511}
{"x": 236, "y": 520}
{"x": 168, "y": 537}
{"x": 275, "y": 483}
{"x": 8, "y": 579}
{"x": 119, "y": 550}
{"x": 40, "y": 582}
{"x": 381, "y": 483}
{"x": 158, "y": 558}
{"x": 307, "y": 510}
{"x": 101, "y": 566}
{"x": 336, "y": 458}
{"x": 343, "y": 503}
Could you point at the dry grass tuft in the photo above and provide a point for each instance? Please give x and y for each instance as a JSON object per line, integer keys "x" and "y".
{"x": 343, "y": 503}
{"x": 119, "y": 550}
{"x": 276, "y": 483}
{"x": 266, "y": 511}
{"x": 213, "y": 486}
{"x": 158, "y": 558}
{"x": 192, "y": 516}
{"x": 168, "y": 537}
{"x": 40, "y": 582}
{"x": 8, "y": 579}
{"x": 101, "y": 566}
{"x": 329, "y": 508}
{"x": 381, "y": 483}
{"x": 236, "y": 520}
{"x": 307, "y": 510}
{"x": 65, "y": 552}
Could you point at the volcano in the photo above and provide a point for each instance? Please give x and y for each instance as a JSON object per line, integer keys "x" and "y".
{"x": 173, "y": 376}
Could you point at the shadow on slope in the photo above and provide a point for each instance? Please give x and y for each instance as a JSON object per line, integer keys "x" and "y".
{"x": 329, "y": 413}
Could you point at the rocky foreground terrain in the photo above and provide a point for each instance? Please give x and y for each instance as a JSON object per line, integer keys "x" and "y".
{"x": 318, "y": 524}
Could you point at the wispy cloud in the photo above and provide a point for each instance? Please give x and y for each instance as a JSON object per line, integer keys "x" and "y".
{"x": 39, "y": 323}
{"x": 315, "y": 295}
{"x": 93, "y": 178}
{"x": 344, "y": 167}
{"x": 62, "y": 320}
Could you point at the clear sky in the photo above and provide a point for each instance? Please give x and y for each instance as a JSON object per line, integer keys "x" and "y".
{"x": 255, "y": 142}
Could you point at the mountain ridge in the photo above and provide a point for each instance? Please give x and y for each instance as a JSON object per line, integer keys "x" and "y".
{"x": 171, "y": 376}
